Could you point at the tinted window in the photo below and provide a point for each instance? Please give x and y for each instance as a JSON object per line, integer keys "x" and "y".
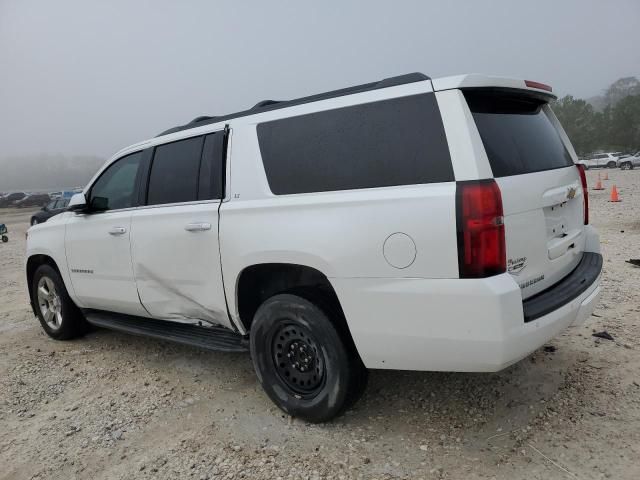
{"x": 174, "y": 172}
{"x": 392, "y": 142}
{"x": 115, "y": 187}
{"x": 212, "y": 167}
{"x": 517, "y": 134}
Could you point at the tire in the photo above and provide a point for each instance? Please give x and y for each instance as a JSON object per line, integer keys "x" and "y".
{"x": 5, "y": 239}
{"x": 59, "y": 316}
{"x": 626, "y": 166}
{"x": 34, "y": 221}
{"x": 307, "y": 367}
{"x": 611, "y": 165}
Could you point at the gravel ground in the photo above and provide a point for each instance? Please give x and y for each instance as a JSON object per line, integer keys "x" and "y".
{"x": 113, "y": 406}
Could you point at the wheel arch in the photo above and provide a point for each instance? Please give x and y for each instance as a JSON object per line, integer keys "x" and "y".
{"x": 258, "y": 282}
{"x": 33, "y": 262}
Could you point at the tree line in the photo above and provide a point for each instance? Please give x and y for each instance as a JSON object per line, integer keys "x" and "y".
{"x": 609, "y": 122}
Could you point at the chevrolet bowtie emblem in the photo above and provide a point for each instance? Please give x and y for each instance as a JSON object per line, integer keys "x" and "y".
{"x": 571, "y": 192}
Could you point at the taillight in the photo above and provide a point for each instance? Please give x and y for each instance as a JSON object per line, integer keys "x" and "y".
{"x": 585, "y": 192}
{"x": 480, "y": 221}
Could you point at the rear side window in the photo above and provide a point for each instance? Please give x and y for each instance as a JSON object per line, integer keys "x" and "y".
{"x": 517, "y": 134}
{"x": 393, "y": 142}
{"x": 174, "y": 172}
{"x": 212, "y": 169}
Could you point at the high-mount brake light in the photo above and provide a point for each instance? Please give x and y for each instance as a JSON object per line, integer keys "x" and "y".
{"x": 480, "y": 222}
{"x": 585, "y": 192}
{"x": 538, "y": 85}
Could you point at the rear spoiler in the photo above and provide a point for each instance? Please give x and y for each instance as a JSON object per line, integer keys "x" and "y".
{"x": 476, "y": 80}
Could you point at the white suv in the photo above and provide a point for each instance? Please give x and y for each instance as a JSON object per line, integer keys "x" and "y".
{"x": 601, "y": 160}
{"x": 404, "y": 224}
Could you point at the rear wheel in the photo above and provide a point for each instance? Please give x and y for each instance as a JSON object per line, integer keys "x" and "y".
{"x": 5, "y": 239}
{"x": 58, "y": 315}
{"x": 626, "y": 166}
{"x": 303, "y": 361}
{"x": 611, "y": 164}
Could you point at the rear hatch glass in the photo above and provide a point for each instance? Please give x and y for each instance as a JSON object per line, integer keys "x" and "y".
{"x": 540, "y": 186}
{"x": 517, "y": 133}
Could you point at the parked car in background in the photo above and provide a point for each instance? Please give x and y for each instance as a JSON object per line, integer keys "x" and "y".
{"x": 54, "y": 207}
{"x": 33, "y": 200}
{"x": 601, "y": 160}
{"x": 10, "y": 199}
{"x": 630, "y": 162}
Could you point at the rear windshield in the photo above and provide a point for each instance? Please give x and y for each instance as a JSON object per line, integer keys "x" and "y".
{"x": 517, "y": 134}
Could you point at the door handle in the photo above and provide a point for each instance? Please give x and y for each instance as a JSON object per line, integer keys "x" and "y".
{"x": 197, "y": 227}
{"x": 117, "y": 231}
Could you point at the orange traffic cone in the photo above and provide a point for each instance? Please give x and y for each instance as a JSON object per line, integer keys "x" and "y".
{"x": 606, "y": 176}
{"x": 614, "y": 195}
{"x": 598, "y": 184}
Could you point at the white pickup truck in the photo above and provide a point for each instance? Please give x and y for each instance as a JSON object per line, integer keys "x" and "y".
{"x": 408, "y": 223}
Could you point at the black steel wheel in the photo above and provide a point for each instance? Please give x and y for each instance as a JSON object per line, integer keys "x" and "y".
{"x": 297, "y": 359}
{"x": 5, "y": 239}
{"x": 303, "y": 359}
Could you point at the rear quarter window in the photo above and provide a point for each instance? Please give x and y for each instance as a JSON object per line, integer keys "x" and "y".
{"x": 517, "y": 134}
{"x": 399, "y": 141}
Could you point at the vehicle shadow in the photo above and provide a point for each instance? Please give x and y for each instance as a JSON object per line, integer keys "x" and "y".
{"x": 474, "y": 405}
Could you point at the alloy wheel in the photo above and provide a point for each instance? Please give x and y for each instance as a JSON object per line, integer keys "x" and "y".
{"x": 50, "y": 303}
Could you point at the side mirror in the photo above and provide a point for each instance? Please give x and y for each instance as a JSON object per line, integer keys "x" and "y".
{"x": 78, "y": 203}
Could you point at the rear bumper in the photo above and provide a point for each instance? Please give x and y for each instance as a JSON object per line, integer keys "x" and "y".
{"x": 567, "y": 289}
{"x": 474, "y": 325}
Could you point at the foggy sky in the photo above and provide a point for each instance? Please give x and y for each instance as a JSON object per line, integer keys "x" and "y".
{"x": 91, "y": 77}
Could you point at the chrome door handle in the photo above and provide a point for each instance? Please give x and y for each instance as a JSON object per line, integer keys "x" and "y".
{"x": 117, "y": 231}
{"x": 197, "y": 227}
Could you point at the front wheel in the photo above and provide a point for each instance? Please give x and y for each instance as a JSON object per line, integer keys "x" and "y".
{"x": 626, "y": 166}
{"x": 303, "y": 361}
{"x": 59, "y": 316}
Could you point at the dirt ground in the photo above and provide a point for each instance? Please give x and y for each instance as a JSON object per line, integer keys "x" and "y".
{"x": 112, "y": 406}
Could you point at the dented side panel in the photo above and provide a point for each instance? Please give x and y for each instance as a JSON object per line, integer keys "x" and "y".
{"x": 176, "y": 260}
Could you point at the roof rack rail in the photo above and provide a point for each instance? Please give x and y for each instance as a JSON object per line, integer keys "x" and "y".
{"x": 267, "y": 105}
